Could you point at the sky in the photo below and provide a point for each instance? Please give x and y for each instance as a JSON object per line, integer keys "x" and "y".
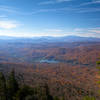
{"x": 29, "y": 18}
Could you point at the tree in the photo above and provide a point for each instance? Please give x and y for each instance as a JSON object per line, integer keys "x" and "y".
{"x": 25, "y": 93}
{"x": 56, "y": 98}
{"x": 2, "y": 87}
{"x": 47, "y": 92}
{"x": 93, "y": 98}
{"x": 98, "y": 67}
{"x": 89, "y": 98}
{"x": 12, "y": 85}
{"x": 29, "y": 97}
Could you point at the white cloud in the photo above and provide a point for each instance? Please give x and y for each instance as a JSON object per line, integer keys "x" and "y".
{"x": 12, "y": 10}
{"x": 91, "y": 2}
{"x": 53, "y": 30}
{"x": 96, "y": 1}
{"x": 53, "y": 2}
{"x": 8, "y": 24}
{"x": 84, "y": 32}
{"x": 72, "y": 9}
{"x": 63, "y": 0}
{"x": 8, "y": 9}
{"x": 46, "y": 2}
{"x": 28, "y": 34}
{"x": 87, "y": 32}
{"x": 67, "y": 9}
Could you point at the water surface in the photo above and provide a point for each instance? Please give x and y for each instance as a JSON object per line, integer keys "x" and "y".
{"x": 49, "y": 61}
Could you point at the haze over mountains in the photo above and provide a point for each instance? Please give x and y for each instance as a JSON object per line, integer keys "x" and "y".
{"x": 49, "y": 49}
{"x": 49, "y": 39}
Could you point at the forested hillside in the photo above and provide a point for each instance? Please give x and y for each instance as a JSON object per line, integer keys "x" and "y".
{"x": 12, "y": 89}
{"x": 68, "y": 70}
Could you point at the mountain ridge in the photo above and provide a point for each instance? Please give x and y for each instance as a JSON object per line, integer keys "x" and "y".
{"x": 50, "y": 39}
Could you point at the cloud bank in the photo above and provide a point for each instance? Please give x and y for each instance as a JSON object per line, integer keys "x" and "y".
{"x": 8, "y": 24}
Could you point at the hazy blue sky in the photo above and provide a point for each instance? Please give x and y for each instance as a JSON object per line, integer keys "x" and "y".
{"x": 50, "y": 17}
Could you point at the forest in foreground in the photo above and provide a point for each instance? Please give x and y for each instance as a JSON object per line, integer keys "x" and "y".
{"x": 49, "y": 71}
{"x": 12, "y": 88}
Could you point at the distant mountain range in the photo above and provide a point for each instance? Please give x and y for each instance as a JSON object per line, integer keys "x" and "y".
{"x": 49, "y": 39}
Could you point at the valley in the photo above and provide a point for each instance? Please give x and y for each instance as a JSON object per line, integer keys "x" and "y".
{"x": 62, "y": 65}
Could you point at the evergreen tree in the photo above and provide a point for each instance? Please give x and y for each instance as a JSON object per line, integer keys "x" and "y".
{"x": 25, "y": 93}
{"x": 12, "y": 85}
{"x": 30, "y": 98}
{"x": 56, "y": 98}
{"x": 49, "y": 97}
{"x": 2, "y": 87}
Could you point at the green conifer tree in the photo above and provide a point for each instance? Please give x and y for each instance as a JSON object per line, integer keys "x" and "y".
{"x": 49, "y": 97}
{"x": 12, "y": 85}
{"x": 2, "y": 87}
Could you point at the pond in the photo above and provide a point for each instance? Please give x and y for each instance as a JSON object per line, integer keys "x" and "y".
{"x": 49, "y": 61}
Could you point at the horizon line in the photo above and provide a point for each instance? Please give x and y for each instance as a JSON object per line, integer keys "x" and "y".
{"x": 47, "y": 36}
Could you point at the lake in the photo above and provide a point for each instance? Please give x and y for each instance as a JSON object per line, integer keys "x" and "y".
{"x": 49, "y": 61}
